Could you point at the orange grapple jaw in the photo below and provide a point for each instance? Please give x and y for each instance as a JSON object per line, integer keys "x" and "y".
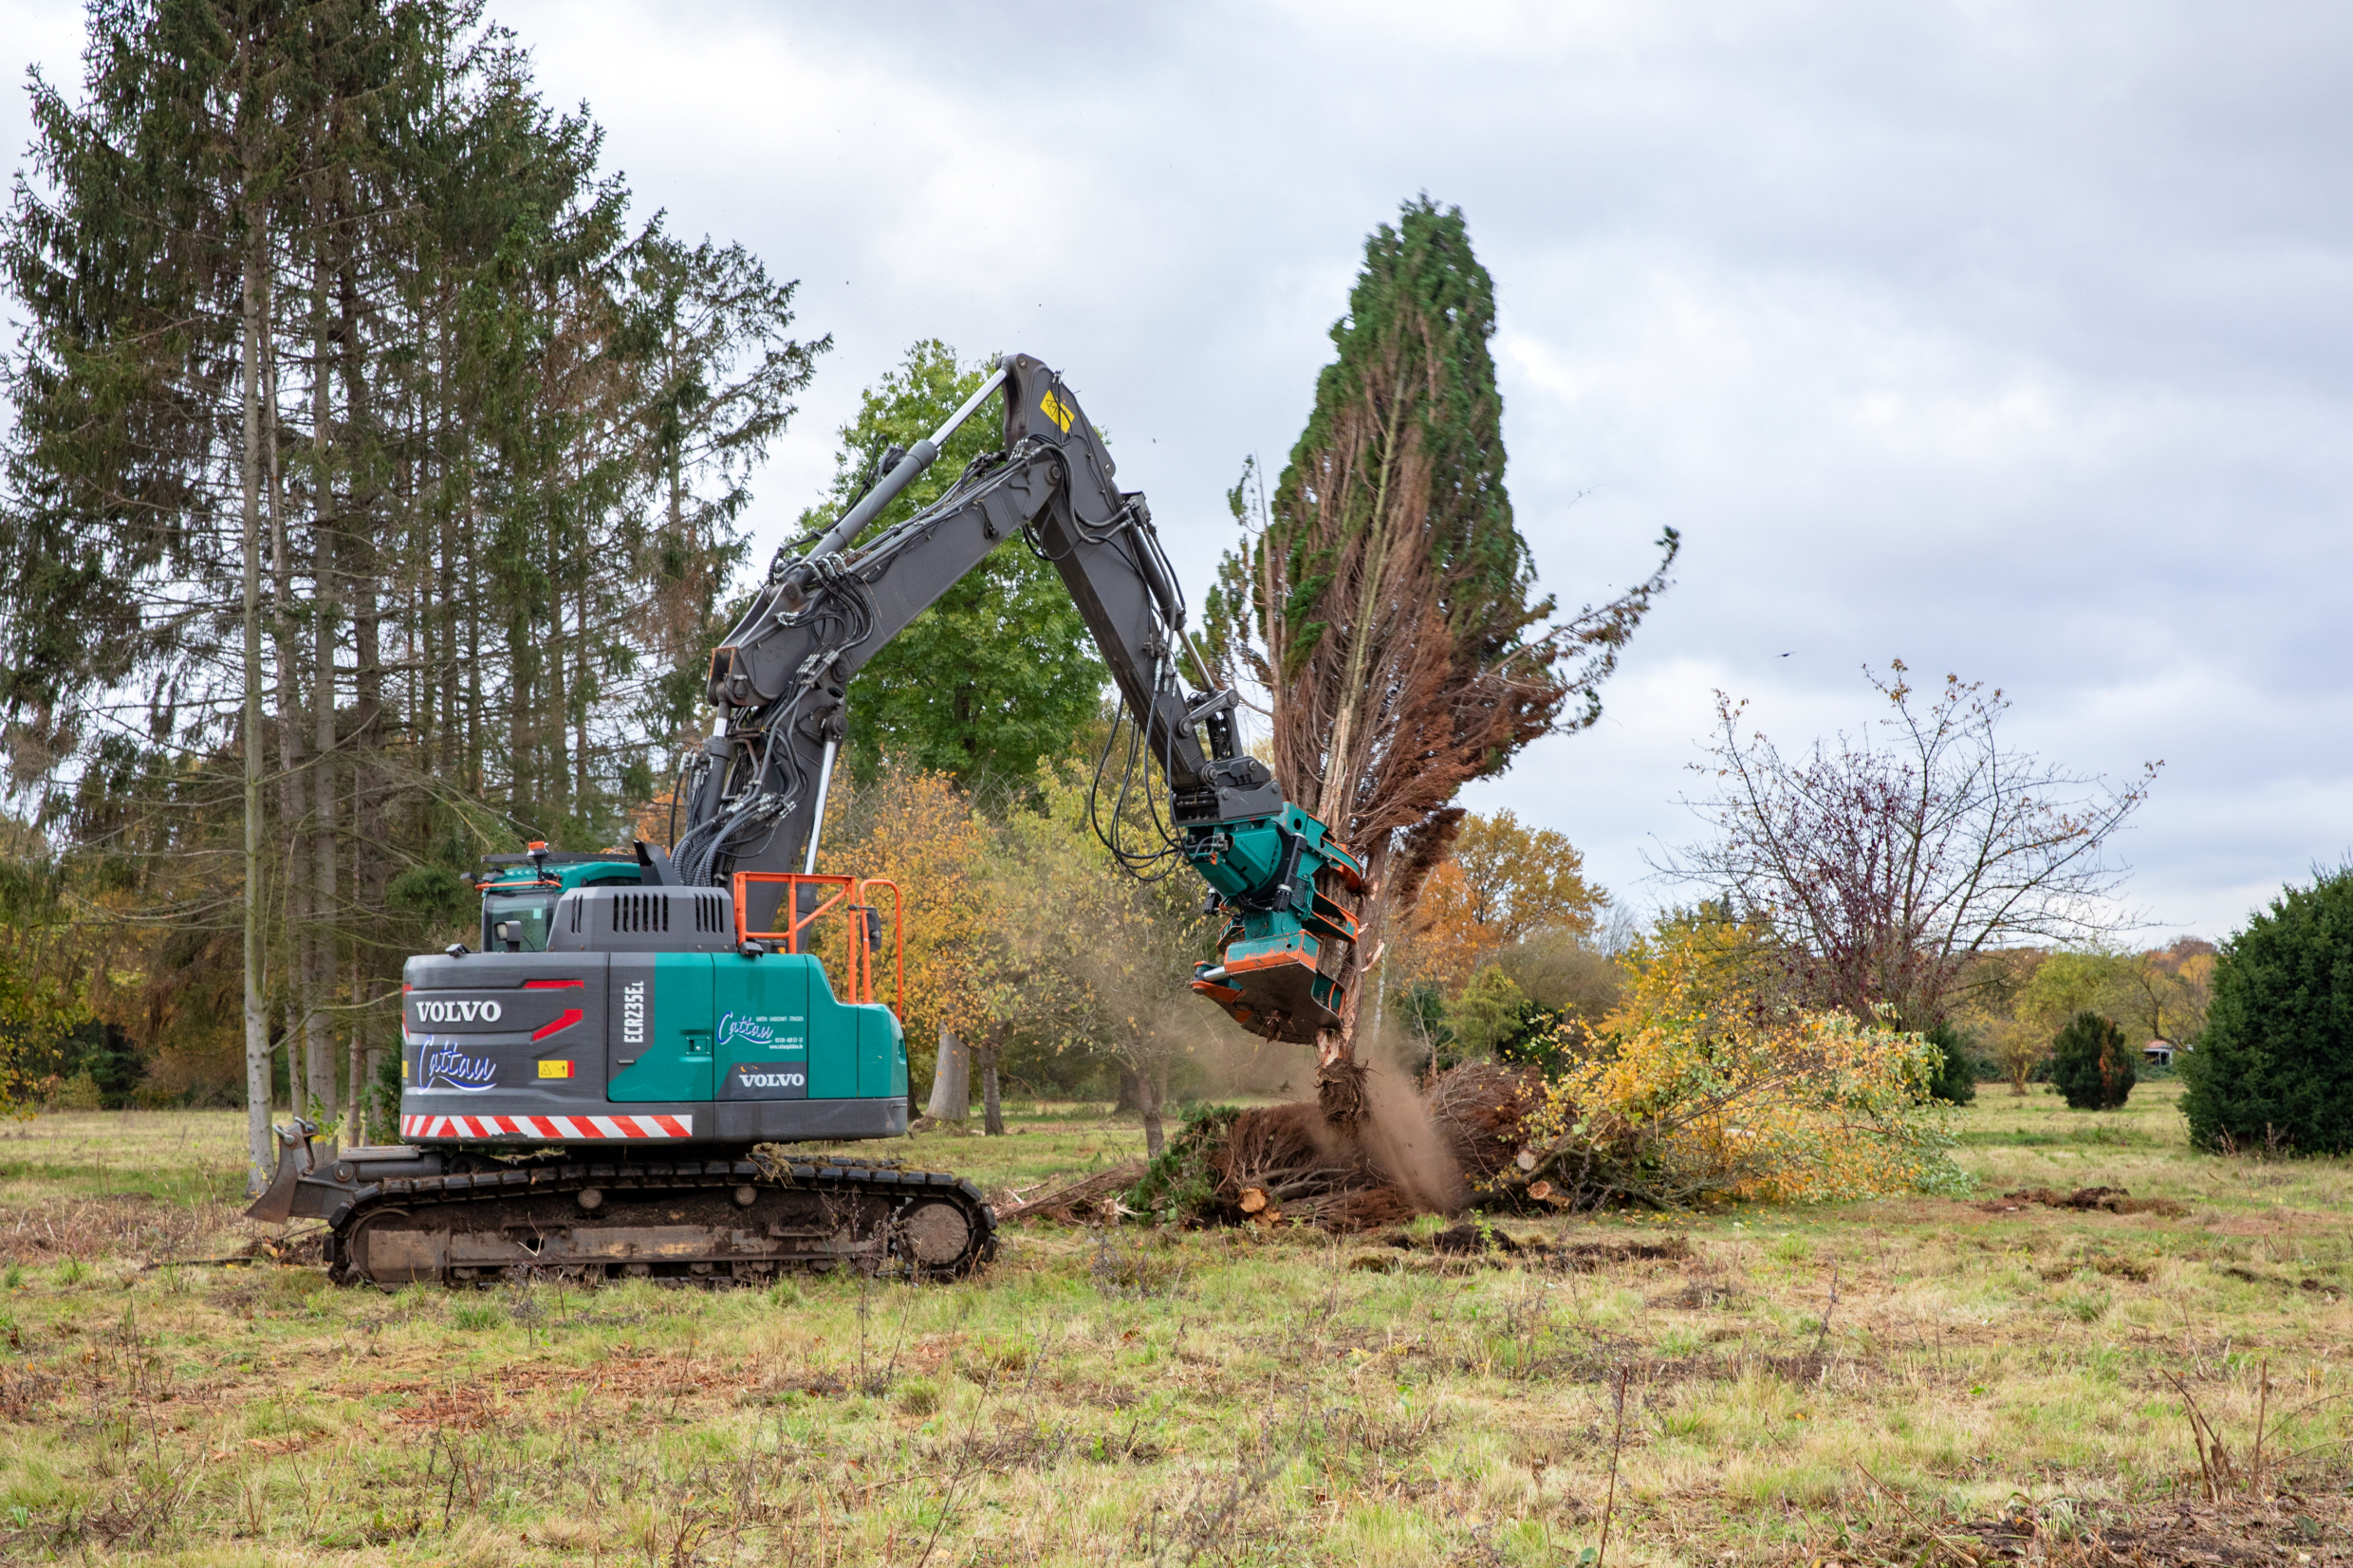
{"x": 1279, "y": 995}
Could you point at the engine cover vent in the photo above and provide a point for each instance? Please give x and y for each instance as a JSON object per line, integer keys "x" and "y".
{"x": 628, "y": 919}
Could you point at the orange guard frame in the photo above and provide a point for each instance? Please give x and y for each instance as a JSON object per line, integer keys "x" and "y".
{"x": 851, "y": 899}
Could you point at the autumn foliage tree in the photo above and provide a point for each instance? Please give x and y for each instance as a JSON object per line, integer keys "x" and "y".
{"x": 1500, "y": 883}
{"x": 1714, "y": 1085}
{"x": 1385, "y": 601}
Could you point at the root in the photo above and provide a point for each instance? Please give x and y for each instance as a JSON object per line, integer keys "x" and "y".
{"x": 1339, "y": 1092}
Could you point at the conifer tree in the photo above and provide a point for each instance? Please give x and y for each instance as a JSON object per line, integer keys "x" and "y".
{"x": 1386, "y": 601}
{"x": 2273, "y": 1068}
{"x": 367, "y": 480}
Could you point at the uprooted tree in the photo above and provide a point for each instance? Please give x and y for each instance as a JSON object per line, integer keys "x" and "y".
{"x": 1384, "y": 600}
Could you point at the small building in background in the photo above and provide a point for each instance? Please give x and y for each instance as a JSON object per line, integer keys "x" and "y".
{"x": 2158, "y": 1053}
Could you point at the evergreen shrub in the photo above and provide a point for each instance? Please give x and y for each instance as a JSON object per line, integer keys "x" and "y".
{"x": 1956, "y": 1082}
{"x": 2090, "y": 1064}
{"x": 2274, "y": 1067}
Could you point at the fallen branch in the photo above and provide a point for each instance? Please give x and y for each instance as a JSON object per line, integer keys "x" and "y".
{"x": 1080, "y": 1202}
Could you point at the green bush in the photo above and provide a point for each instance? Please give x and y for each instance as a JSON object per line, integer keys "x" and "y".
{"x": 1956, "y": 1082}
{"x": 2274, "y": 1067}
{"x": 2090, "y": 1064}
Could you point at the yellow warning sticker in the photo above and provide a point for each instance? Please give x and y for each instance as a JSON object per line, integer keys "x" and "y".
{"x": 555, "y": 1069}
{"x": 1058, "y": 410}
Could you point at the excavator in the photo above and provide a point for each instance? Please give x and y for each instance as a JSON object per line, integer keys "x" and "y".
{"x": 647, "y": 1067}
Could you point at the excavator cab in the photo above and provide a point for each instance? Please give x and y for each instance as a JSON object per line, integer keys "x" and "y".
{"x": 519, "y": 896}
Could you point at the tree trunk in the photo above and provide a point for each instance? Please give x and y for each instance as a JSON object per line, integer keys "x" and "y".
{"x": 1131, "y": 1094}
{"x": 993, "y": 1111}
{"x": 367, "y": 695}
{"x": 951, "y": 1080}
{"x": 256, "y": 1015}
{"x": 294, "y": 927}
{"x": 356, "y": 1066}
{"x": 317, "y": 1080}
{"x": 1152, "y": 1095}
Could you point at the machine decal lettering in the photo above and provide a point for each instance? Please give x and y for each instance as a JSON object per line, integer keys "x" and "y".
{"x": 633, "y": 1013}
{"x": 735, "y": 1028}
{"x": 446, "y": 1068}
{"x": 456, "y": 1012}
{"x": 765, "y": 1081}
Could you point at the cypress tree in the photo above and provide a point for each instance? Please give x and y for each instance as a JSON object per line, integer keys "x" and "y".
{"x": 1387, "y": 601}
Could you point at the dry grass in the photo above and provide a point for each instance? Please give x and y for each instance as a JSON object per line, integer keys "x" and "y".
{"x": 1906, "y": 1382}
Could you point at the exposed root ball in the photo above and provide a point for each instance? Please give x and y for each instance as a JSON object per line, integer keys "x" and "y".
{"x": 1339, "y": 1092}
{"x": 1293, "y": 1164}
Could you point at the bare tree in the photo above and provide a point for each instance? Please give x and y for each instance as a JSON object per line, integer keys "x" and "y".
{"x": 1883, "y": 867}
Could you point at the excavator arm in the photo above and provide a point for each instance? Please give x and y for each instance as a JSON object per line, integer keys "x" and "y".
{"x": 756, "y": 796}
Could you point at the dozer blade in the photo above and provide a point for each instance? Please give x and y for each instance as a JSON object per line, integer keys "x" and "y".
{"x": 298, "y": 1156}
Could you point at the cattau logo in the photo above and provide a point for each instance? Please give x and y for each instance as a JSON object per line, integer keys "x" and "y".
{"x": 456, "y": 1012}
{"x": 748, "y": 1031}
{"x": 446, "y": 1068}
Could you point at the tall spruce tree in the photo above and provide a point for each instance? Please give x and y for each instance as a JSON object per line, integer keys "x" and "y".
{"x": 1386, "y": 600}
{"x": 361, "y": 453}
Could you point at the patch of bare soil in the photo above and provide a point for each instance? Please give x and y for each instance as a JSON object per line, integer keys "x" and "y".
{"x": 2312, "y": 1286}
{"x": 2314, "y": 1527}
{"x": 2111, "y": 1200}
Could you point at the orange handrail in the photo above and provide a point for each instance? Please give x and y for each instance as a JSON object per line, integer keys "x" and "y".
{"x": 899, "y": 940}
{"x": 850, "y": 898}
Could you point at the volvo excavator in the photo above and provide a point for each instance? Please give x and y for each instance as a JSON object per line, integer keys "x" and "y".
{"x": 625, "y": 1078}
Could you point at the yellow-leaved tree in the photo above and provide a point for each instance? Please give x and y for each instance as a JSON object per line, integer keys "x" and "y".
{"x": 915, "y": 828}
{"x": 1707, "y": 1086}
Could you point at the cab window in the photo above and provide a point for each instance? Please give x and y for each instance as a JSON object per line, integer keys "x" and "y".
{"x": 517, "y": 922}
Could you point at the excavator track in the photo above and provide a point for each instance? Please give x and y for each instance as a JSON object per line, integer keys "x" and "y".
{"x": 706, "y": 1221}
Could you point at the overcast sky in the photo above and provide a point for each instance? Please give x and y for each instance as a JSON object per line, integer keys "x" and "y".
{"x": 2010, "y": 340}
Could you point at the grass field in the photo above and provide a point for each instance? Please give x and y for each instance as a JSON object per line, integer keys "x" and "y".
{"x": 1921, "y": 1380}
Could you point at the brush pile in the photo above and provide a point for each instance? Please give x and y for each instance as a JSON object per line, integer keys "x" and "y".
{"x": 1286, "y": 1163}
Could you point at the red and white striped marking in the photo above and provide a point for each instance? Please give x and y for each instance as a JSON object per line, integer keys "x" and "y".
{"x": 567, "y": 1129}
